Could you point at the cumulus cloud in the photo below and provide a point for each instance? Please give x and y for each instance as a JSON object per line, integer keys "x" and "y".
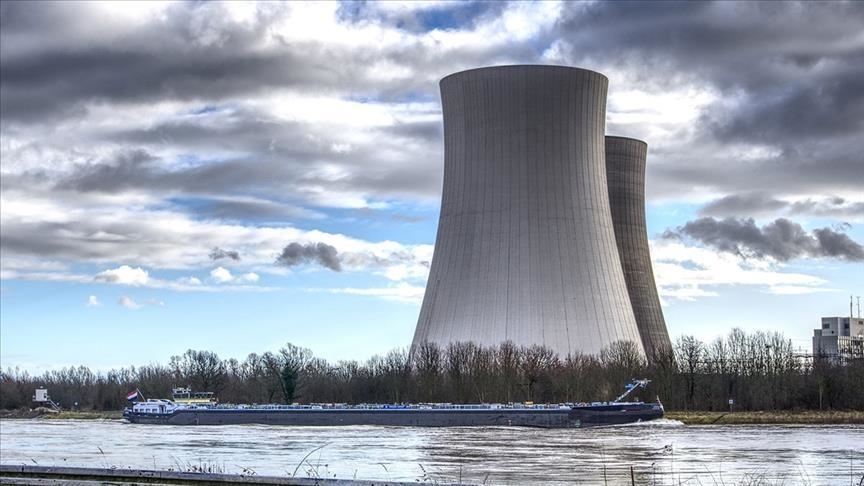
{"x": 93, "y": 301}
{"x": 221, "y": 275}
{"x": 124, "y": 275}
{"x": 321, "y": 253}
{"x": 781, "y": 239}
{"x": 742, "y": 204}
{"x": 128, "y": 302}
{"x": 193, "y": 281}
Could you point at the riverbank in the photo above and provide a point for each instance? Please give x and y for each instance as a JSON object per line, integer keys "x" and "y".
{"x": 767, "y": 417}
{"x": 47, "y": 413}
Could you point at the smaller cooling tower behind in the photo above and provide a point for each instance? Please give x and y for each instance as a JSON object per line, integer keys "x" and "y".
{"x": 625, "y": 174}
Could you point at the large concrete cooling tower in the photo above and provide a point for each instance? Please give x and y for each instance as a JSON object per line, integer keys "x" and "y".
{"x": 625, "y": 174}
{"x": 526, "y": 250}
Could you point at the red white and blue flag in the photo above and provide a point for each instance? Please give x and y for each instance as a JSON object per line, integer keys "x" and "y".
{"x": 133, "y": 396}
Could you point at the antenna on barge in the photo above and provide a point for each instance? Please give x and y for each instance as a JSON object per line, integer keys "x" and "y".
{"x": 632, "y": 386}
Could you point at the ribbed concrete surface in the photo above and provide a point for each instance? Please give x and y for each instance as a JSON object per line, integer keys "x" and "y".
{"x": 625, "y": 173}
{"x": 525, "y": 249}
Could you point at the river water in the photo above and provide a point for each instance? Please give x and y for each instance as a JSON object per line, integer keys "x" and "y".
{"x": 663, "y": 452}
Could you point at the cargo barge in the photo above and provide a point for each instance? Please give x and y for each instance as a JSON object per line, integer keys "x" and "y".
{"x": 567, "y": 415}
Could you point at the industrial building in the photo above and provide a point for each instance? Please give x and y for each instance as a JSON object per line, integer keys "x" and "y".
{"x": 526, "y": 248}
{"x": 839, "y": 338}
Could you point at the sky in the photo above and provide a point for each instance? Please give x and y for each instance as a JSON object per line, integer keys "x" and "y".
{"x": 235, "y": 176}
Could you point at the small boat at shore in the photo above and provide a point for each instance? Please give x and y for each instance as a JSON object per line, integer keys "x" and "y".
{"x": 565, "y": 415}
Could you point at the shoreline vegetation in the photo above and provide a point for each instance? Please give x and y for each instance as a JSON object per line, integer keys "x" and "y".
{"x": 754, "y": 372}
{"x": 692, "y": 417}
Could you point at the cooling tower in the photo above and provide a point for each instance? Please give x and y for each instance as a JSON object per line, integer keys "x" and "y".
{"x": 526, "y": 249}
{"x": 625, "y": 174}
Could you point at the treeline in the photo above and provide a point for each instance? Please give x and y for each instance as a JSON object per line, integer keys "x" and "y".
{"x": 759, "y": 371}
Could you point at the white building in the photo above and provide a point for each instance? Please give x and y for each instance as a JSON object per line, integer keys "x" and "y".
{"x": 839, "y": 337}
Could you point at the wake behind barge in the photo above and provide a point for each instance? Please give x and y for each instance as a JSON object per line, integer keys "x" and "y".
{"x": 160, "y": 411}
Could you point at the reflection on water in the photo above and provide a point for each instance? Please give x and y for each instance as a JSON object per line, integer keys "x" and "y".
{"x": 661, "y": 452}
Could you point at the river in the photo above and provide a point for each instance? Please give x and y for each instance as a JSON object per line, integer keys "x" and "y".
{"x": 663, "y": 452}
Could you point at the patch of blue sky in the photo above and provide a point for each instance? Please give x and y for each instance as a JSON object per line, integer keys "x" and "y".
{"x": 189, "y": 161}
{"x": 454, "y": 15}
{"x": 662, "y": 216}
{"x": 56, "y": 315}
{"x": 351, "y": 10}
{"x": 690, "y": 265}
{"x": 194, "y": 206}
{"x": 362, "y": 99}
{"x": 423, "y": 97}
{"x": 408, "y": 97}
{"x": 794, "y": 316}
{"x": 406, "y": 224}
{"x": 233, "y": 324}
{"x": 207, "y": 110}
{"x": 441, "y": 16}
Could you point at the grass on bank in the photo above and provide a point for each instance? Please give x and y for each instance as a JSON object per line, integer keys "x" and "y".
{"x": 768, "y": 417}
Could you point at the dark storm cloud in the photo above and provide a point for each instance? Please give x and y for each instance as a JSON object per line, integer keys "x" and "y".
{"x": 789, "y": 76}
{"x": 429, "y": 131}
{"x": 823, "y": 168}
{"x": 781, "y": 239}
{"x": 832, "y": 106}
{"x": 839, "y": 245}
{"x": 321, "y": 253}
{"x": 774, "y": 41}
{"x": 280, "y": 159}
{"x": 139, "y": 170}
{"x": 735, "y": 204}
{"x": 58, "y": 241}
{"x": 760, "y": 204}
{"x": 127, "y": 170}
{"x": 169, "y": 60}
{"x": 194, "y": 53}
{"x": 218, "y": 253}
{"x": 833, "y": 207}
{"x": 242, "y": 210}
{"x": 156, "y": 61}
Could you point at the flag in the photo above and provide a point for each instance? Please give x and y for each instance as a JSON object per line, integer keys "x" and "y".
{"x": 133, "y": 396}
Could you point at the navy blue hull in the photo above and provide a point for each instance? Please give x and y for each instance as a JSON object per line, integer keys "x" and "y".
{"x": 584, "y": 416}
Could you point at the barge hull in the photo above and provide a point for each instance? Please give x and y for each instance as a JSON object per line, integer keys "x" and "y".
{"x": 549, "y": 418}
